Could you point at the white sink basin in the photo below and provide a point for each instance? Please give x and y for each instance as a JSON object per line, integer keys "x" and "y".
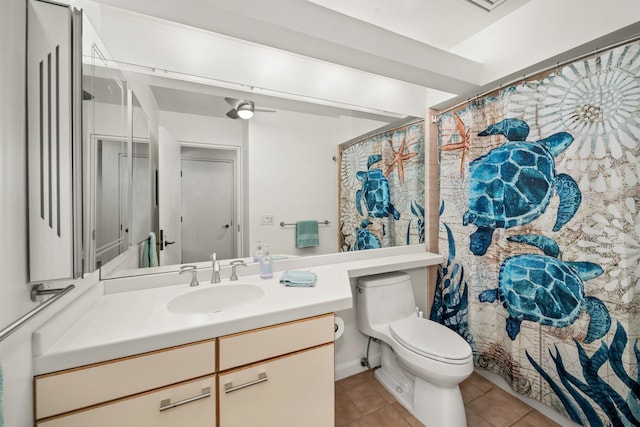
{"x": 215, "y": 299}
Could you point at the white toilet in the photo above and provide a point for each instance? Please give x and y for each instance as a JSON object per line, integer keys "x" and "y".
{"x": 423, "y": 362}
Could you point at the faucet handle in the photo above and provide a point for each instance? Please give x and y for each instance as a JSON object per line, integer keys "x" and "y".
{"x": 234, "y": 264}
{"x": 194, "y": 276}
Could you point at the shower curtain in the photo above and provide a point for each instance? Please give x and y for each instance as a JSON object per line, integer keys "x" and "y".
{"x": 540, "y": 229}
{"x": 381, "y": 188}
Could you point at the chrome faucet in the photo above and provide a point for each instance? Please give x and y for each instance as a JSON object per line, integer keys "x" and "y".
{"x": 192, "y": 269}
{"x": 234, "y": 264}
{"x": 215, "y": 274}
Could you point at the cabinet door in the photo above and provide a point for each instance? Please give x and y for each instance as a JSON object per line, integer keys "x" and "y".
{"x": 50, "y": 143}
{"x": 294, "y": 390}
{"x": 190, "y": 404}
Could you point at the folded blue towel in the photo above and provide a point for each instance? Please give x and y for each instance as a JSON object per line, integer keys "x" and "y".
{"x": 298, "y": 278}
{"x": 307, "y": 234}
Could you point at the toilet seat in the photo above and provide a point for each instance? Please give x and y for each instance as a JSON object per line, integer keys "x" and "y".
{"x": 430, "y": 339}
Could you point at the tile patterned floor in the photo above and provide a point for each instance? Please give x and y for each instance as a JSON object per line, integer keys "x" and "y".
{"x": 361, "y": 401}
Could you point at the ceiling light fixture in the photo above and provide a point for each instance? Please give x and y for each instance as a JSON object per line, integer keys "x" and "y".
{"x": 245, "y": 110}
{"x": 240, "y": 109}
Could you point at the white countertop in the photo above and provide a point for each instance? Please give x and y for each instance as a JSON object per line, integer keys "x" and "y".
{"x": 127, "y": 323}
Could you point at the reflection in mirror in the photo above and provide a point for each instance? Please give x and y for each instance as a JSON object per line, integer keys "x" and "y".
{"x": 208, "y": 203}
{"x": 111, "y": 199}
{"x": 118, "y": 184}
{"x": 225, "y": 184}
{"x": 141, "y": 193}
{"x": 105, "y": 143}
{"x": 138, "y": 178}
{"x": 285, "y": 157}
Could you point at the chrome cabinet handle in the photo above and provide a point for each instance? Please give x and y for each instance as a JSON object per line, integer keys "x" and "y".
{"x": 229, "y": 387}
{"x": 166, "y": 404}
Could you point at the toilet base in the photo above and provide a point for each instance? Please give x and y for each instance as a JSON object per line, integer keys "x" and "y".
{"x": 395, "y": 379}
{"x": 400, "y": 392}
{"x": 432, "y": 405}
{"x": 438, "y": 406}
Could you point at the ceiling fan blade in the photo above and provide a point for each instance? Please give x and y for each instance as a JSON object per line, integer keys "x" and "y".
{"x": 233, "y": 102}
{"x": 233, "y": 114}
{"x": 264, "y": 111}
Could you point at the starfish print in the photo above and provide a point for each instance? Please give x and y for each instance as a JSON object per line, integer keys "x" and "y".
{"x": 464, "y": 145}
{"x": 398, "y": 159}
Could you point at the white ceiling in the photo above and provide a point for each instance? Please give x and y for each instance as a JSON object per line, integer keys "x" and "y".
{"x": 442, "y": 24}
{"x": 445, "y": 47}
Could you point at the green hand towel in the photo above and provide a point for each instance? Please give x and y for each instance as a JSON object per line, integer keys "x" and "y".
{"x": 144, "y": 259}
{"x": 307, "y": 234}
{"x": 153, "y": 254}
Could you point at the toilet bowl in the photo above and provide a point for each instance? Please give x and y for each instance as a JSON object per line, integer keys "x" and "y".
{"x": 422, "y": 362}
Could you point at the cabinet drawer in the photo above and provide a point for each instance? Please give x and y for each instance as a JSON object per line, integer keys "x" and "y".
{"x": 196, "y": 407}
{"x": 294, "y": 390}
{"x": 249, "y": 347}
{"x": 65, "y": 391}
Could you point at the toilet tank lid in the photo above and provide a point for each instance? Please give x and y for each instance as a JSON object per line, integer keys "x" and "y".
{"x": 383, "y": 279}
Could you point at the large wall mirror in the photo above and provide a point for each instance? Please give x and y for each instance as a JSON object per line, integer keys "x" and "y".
{"x": 171, "y": 160}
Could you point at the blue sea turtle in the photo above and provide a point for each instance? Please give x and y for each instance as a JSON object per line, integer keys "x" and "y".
{"x": 544, "y": 289}
{"x": 365, "y": 239}
{"x": 375, "y": 190}
{"x": 512, "y": 184}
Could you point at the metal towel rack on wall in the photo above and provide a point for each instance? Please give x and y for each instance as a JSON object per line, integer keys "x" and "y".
{"x": 325, "y": 222}
{"x": 35, "y": 292}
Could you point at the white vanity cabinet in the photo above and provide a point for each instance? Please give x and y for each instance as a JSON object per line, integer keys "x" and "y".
{"x": 281, "y": 375}
{"x": 152, "y": 389}
{"x": 278, "y": 376}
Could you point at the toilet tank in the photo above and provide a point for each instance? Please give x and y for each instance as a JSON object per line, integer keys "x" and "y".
{"x": 383, "y": 298}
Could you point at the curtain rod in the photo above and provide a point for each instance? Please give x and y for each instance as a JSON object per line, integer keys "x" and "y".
{"x": 556, "y": 66}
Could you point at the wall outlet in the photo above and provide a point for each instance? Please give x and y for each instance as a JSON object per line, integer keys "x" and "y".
{"x": 266, "y": 219}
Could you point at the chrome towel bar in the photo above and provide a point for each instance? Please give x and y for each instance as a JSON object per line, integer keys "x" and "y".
{"x": 325, "y": 222}
{"x": 58, "y": 293}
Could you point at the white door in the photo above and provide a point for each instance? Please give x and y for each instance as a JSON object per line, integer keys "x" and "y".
{"x": 208, "y": 209}
{"x": 169, "y": 197}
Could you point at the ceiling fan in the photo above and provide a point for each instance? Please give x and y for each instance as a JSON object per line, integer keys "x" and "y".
{"x": 241, "y": 109}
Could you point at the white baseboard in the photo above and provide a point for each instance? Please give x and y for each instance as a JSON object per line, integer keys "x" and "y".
{"x": 353, "y": 367}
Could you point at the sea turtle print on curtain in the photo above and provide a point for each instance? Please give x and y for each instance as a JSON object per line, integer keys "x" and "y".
{"x": 382, "y": 188}
{"x": 512, "y": 184}
{"x": 540, "y": 184}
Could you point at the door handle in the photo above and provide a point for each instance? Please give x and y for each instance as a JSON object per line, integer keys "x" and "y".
{"x": 164, "y": 243}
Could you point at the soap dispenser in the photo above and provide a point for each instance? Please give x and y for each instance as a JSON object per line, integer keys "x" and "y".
{"x": 266, "y": 263}
{"x": 257, "y": 255}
